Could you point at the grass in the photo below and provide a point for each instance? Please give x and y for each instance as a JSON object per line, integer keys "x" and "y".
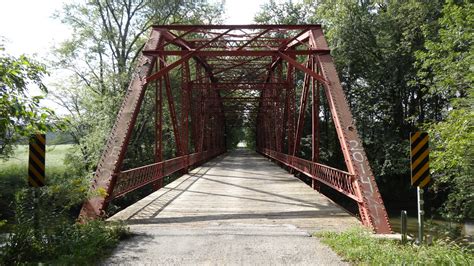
{"x": 63, "y": 244}
{"x": 14, "y": 171}
{"x": 357, "y": 246}
{"x": 89, "y": 243}
{"x": 57, "y": 239}
{"x": 17, "y": 165}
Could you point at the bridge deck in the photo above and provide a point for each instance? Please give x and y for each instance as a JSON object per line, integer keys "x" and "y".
{"x": 238, "y": 187}
{"x": 237, "y": 194}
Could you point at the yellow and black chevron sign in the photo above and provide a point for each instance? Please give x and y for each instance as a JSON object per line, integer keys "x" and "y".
{"x": 36, "y": 176}
{"x": 420, "y": 159}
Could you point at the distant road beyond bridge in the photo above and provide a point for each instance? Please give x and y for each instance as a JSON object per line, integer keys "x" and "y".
{"x": 238, "y": 208}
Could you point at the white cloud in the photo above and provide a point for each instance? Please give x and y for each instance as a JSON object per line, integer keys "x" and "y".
{"x": 242, "y": 11}
{"x": 28, "y": 26}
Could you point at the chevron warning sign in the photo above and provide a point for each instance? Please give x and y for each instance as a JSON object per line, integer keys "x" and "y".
{"x": 36, "y": 160}
{"x": 420, "y": 159}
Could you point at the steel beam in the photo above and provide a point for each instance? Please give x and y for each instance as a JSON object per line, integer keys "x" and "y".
{"x": 301, "y": 115}
{"x": 174, "y": 117}
{"x": 158, "y": 128}
{"x": 315, "y": 135}
{"x": 237, "y": 27}
{"x": 371, "y": 209}
{"x": 226, "y": 51}
{"x": 112, "y": 157}
{"x": 183, "y": 59}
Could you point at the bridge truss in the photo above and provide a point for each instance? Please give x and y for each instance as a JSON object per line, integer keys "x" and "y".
{"x": 212, "y": 62}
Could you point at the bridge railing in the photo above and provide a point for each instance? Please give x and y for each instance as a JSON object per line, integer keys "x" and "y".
{"x": 339, "y": 180}
{"x": 132, "y": 179}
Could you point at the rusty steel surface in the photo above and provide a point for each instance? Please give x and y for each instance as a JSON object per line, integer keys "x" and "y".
{"x": 339, "y": 180}
{"x": 112, "y": 156}
{"x": 132, "y": 179}
{"x": 226, "y": 75}
{"x": 372, "y": 209}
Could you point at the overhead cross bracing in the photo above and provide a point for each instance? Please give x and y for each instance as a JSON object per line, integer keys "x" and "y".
{"x": 226, "y": 74}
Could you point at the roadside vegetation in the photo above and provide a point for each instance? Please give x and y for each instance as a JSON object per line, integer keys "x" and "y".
{"x": 358, "y": 246}
{"x": 14, "y": 172}
{"x": 39, "y": 225}
{"x": 405, "y": 66}
{"x": 54, "y": 238}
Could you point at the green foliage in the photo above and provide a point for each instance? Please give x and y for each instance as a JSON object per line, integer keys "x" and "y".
{"x": 250, "y": 138}
{"x": 452, "y": 153}
{"x": 101, "y": 55}
{"x": 446, "y": 70}
{"x": 288, "y": 12}
{"x": 20, "y": 114}
{"x": 14, "y": 171}
{"x": 358, "y": 246}
{"x": 403, "y": 65}
{"x": 446, "y": 61}
{"x": 374, "y": 48}
{"x": 44, "y": 231}
{"x": 240, "y": 127}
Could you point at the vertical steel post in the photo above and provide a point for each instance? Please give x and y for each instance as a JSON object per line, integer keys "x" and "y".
{"x": 158, "y": 119}
{"x": 290, "y": 106}
{"x": 185, "y": 107}
{"x": 315, "y": 117}
{"x": 300, "y": 123}
{"x": 158, "y": 127}
{"x": 403, "y": 223}
{"x": 199, "y": 109}
{"x": 192, "y": 113}
{"x": 172, "y": 109}
{"x": 315, "y": 121}
{"x": 203, "y": 118}
{"x": 281, "y": 108}
{"x": 185, "y": 112}
{"x": 421, "y": 214}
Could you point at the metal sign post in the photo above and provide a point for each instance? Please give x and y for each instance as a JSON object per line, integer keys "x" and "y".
{"x": 36, "y": 174}
{"x": 420, "y": 172}
{"x": 421, "y": 214}
{"x": 403, "y": 223}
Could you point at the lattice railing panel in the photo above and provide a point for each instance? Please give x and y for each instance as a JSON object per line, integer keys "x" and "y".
{"x": 337, "y": 179}
{"x": 132, "y": 179}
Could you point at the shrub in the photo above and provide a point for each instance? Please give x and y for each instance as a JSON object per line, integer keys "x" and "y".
{"x": 45, "y": 232}
{"x": 358, "y": 246}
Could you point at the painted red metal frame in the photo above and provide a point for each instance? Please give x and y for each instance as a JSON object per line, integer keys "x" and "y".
{"x": 228, "y": 74}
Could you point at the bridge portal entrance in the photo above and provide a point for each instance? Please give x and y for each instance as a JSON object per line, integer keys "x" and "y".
{"x": 212, "y": 78}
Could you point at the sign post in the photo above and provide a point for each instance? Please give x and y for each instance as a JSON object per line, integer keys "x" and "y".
{"x": 421, "y": 214}
{"x": 403, "y": 223}
{"x": 36, "y": 172}
{"x": 420, "y": 172}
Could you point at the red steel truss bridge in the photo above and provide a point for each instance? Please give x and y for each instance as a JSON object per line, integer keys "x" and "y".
{"x": 212, "y": 62}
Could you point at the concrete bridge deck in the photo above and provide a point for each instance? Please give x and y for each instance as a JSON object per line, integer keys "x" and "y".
{"x": 236, "y": 209}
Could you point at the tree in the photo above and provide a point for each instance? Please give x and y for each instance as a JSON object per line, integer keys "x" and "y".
{"x": 374, "y": 45}
{"x": 20, "y": 114}
{"x": 446, "y": 69}
{"x": 101, "y": 55}
{"x": 287, "y": 12}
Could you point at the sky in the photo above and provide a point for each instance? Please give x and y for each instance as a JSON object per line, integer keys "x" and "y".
{"x": 28, "y": 27}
